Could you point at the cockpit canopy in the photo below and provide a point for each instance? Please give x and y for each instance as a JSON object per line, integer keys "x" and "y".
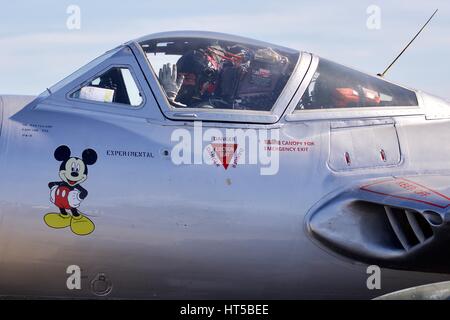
{"x": 219, "y": 74}
{"x": 219, "y": 77}
{"x": 336, "y": 86}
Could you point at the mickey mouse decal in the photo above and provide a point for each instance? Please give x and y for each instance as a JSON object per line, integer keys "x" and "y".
{"x": 68, "y": 193}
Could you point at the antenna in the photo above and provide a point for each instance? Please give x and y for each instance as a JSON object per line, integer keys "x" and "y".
{"x": 407, "y": 46}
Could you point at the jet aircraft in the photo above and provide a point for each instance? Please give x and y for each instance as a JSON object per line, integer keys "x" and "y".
{"x": 203, "y": 165}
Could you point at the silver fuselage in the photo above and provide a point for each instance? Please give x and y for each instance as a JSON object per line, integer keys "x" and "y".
{"x": 169, "y": 231}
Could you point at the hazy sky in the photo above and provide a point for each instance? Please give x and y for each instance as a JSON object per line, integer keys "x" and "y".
{"x": 37, "y": 49}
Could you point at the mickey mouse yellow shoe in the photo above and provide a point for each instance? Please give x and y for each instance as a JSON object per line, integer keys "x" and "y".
{"x": 82, "y": 225}
{"x": 57, "y": 220}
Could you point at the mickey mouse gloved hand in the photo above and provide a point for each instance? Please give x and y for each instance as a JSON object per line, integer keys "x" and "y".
{"x": 74, "y": 198}
{"x": 170, "y": 81}
{"x": 53, "y": 193}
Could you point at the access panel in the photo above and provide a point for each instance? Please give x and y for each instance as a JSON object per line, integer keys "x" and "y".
{"x": 363, "y": 144}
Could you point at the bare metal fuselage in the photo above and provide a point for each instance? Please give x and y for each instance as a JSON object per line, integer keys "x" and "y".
{"x": 200, "y": 231}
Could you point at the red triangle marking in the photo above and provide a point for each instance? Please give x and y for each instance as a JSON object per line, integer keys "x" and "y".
{"x": 225, "y": 152}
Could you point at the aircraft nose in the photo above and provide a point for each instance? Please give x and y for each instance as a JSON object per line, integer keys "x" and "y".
{"x": 74, "y": 174}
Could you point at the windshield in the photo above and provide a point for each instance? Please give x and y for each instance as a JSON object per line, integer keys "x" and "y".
{"x": 83, "y": 69}
{"x": 217, "y": 74}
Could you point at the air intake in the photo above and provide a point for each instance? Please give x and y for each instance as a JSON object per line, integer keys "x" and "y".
{"x": 386, "y": 234}
{"x": 410, "y": 227}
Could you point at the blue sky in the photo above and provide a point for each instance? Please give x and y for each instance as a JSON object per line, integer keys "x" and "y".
{"x": 37, "y": 49}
